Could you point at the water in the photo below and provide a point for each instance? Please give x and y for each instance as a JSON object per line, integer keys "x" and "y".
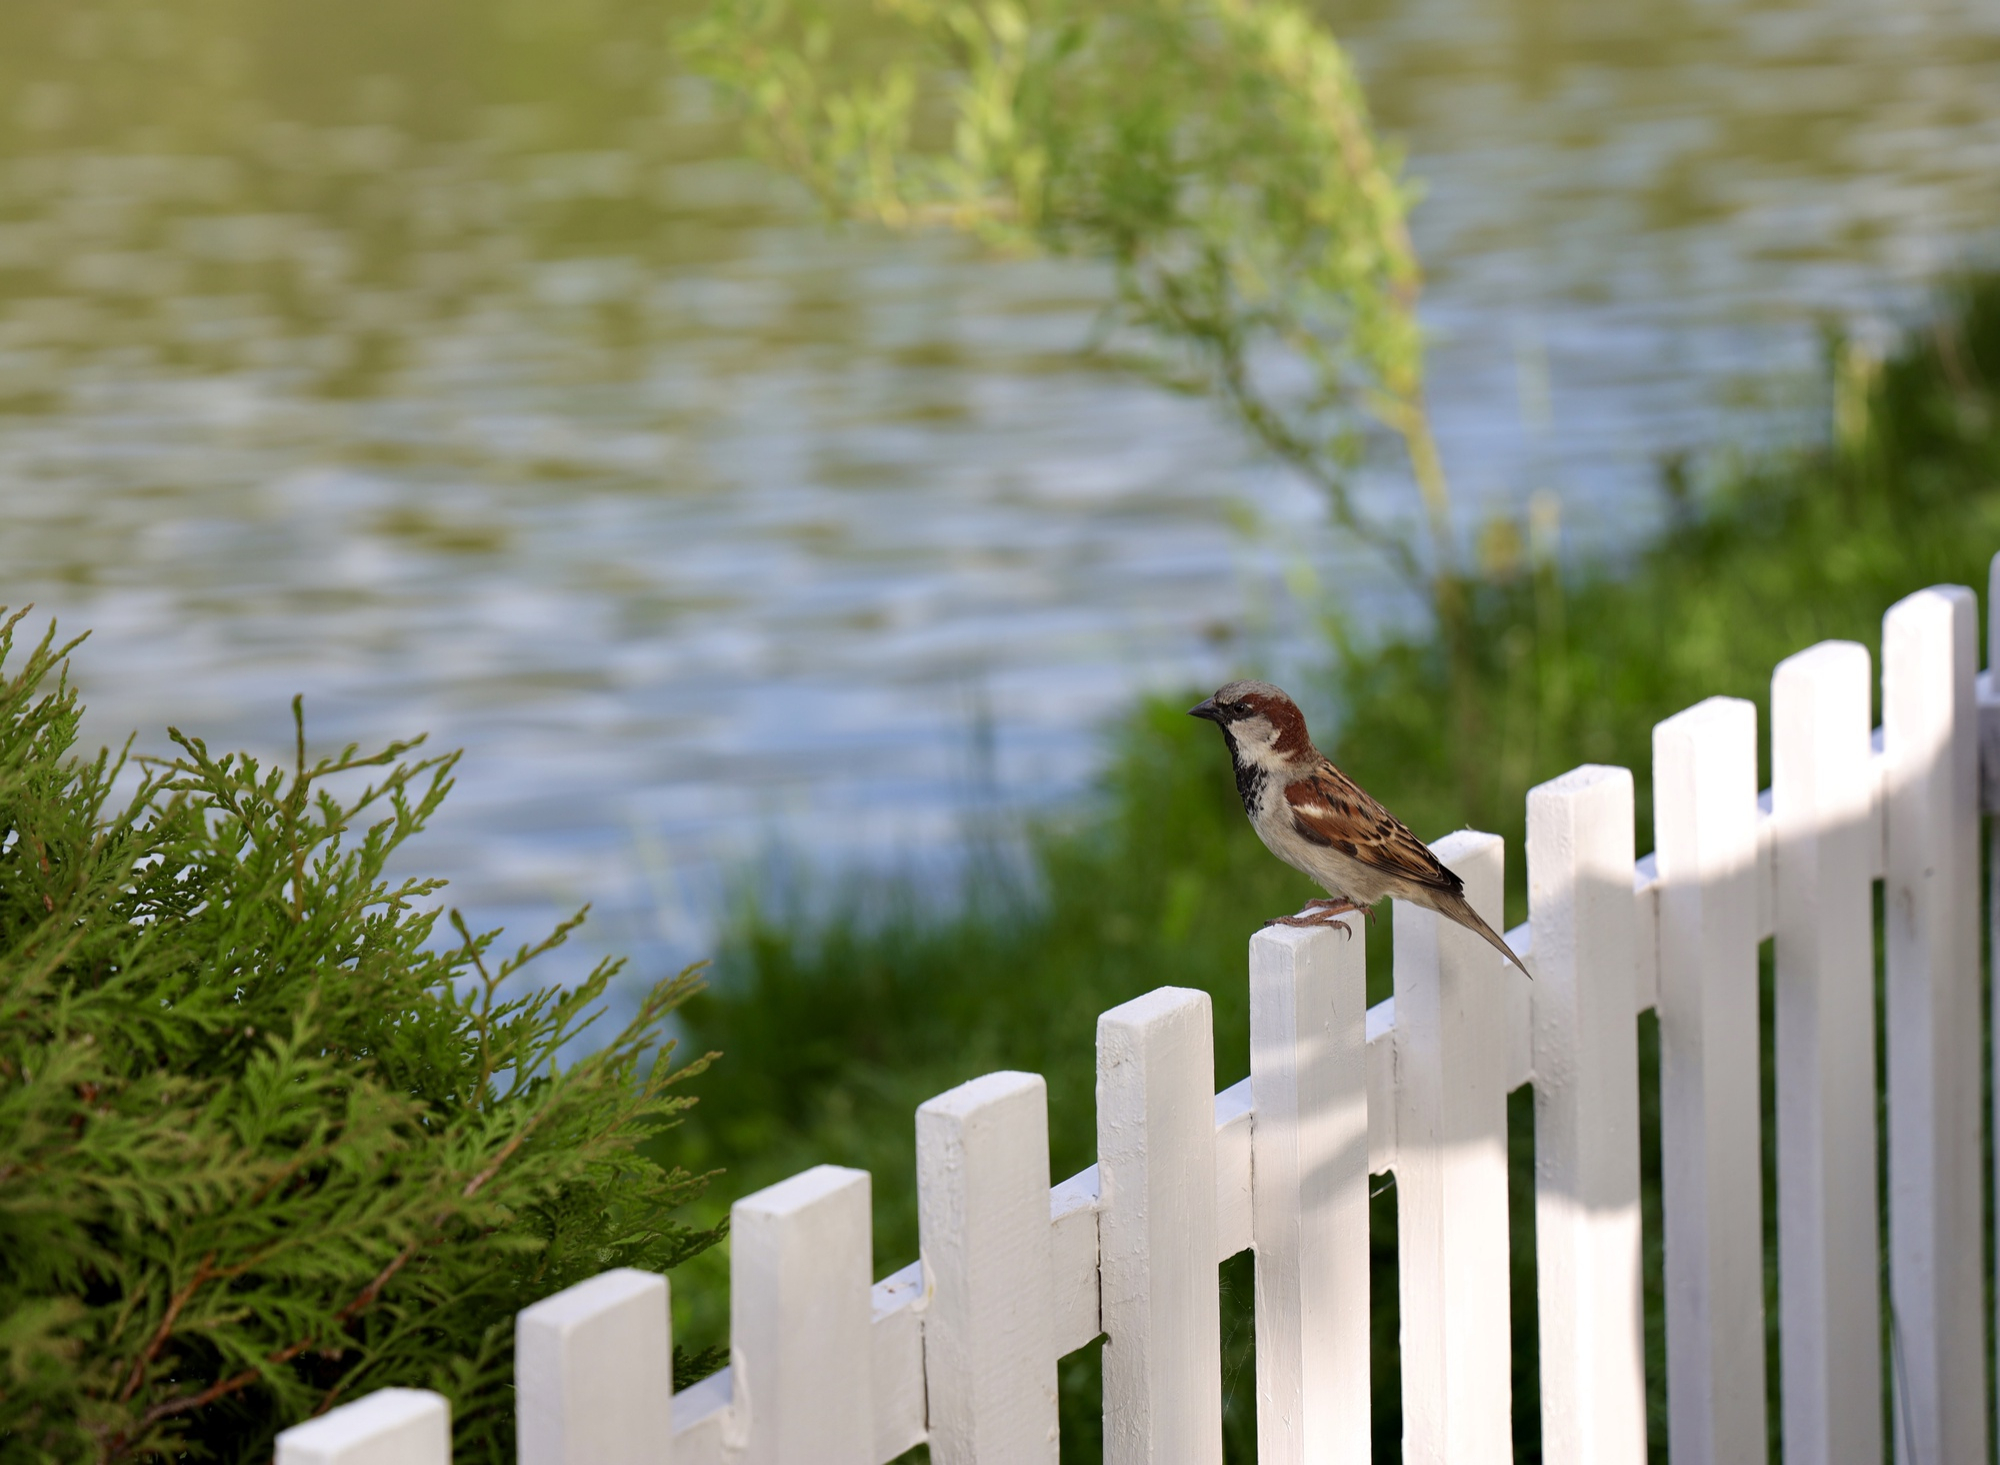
{"x": 451, "y": 368}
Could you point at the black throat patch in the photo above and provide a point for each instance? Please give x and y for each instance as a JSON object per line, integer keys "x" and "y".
{"x": 1249, "y": 780}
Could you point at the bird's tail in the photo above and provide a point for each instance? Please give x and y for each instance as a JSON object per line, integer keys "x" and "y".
{"x": 1459, "y": 909}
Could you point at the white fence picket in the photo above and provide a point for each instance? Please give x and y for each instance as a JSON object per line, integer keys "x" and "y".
{"x": 1705, "y": 823}
{"x": 1157, "y": 1231}
{"x": 594, "y": 1366}
{"x": 989, "y": 1327}
{"x": 1586, "y": 1074}
{"x": 1936, "y": 1283}
{"x": 1824, "y": 1016}
{"x": 1451, "y": 1173}
{"x": 388, "y": 1427}
{"x": 1309, "y": 1189}
{"x": 800, "y": 1321}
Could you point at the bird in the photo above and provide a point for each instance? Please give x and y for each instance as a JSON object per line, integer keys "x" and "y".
{"x": 1322, "y": 823}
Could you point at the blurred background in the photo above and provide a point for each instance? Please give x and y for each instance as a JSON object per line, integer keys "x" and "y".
{"x": 453, "y": 365}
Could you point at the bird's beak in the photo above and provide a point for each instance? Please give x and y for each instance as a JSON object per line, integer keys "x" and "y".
{"x": 1205, "y": 708}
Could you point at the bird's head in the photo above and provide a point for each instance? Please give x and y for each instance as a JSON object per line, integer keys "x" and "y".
{"x": 1261, "y": 723}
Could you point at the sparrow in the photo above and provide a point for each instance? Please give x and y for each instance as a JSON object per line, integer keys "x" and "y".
{"x": 1321, "y": 823}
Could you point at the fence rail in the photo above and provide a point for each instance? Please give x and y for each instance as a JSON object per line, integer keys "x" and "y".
{"x": 960, "y": 1349}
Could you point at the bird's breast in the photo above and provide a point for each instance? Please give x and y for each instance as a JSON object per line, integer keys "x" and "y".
{"x": 1338, "y": 871}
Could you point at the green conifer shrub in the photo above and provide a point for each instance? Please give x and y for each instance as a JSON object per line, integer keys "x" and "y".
{"x": 270, "y": 1137}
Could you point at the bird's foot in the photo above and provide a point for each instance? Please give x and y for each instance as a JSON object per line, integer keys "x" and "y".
{"x": 1340, "y": 906}
{"x": 1324, "y": 912}
{"x": 1314, "y": 918}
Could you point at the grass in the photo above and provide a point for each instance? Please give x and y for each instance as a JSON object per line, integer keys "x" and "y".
{"x": 837, "y": 1026}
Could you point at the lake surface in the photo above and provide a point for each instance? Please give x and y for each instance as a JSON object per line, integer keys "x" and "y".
{"x": 448, "y": 365}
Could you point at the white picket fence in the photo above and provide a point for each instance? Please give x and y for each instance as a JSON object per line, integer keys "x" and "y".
{"x": 961, "y": 1348}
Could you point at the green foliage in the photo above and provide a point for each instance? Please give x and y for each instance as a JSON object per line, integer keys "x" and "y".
{"x": 1217, "y": 154}
{"x": 266, "y": 1145}
{"x": 842, "y": 1026}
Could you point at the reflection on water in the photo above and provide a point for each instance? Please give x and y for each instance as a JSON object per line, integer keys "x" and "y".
{"x": 444, "y": 363}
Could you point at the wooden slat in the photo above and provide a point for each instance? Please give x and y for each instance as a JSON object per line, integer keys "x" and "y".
{"x": 1931, "y": 896}
{"x": 896, "y": 1330}
{"x": 1766, "y": 838}
{"x": 1986, "y": 692}
{"x": 1309, "y": 1175}
{"x": 800, "y": 1321}
{"x": 701, "y": 1415}
{"x": 1518, "y": 1005}
{"x": 1451, "y": 1173}
{"x": 1156, "y": 1231}
{"x": 1073, "y": 1228}
{"x": 1705, "y": 815}
{"x": 594, "y": 1373}
{"x": 1646, "y": 934}
{"x": 388, "y": 1427}
{"x": 1233, "y": 1121}
{"x": 989, "y": 1326}
{"x": 1823, "y": 810}
{"x": 1381, "y": 1038}
{"x": 1586, "y": 1062}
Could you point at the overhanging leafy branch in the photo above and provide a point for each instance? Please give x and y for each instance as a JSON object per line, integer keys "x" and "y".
{"x": 1218, "y": 153}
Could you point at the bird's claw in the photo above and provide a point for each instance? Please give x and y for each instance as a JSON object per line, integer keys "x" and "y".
{"x": 1323, "y": 913}
{"x": 1306, "y": 921}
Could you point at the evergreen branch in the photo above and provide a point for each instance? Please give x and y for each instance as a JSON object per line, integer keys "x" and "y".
{"x": 363, "y": 1155}
{"x": 366, "y": 1298}
{"x": 373, "y": 1290}
{"x": 188, "y": 1402}
{"x": 151, "y": 1351}
{"x": 487, "y": 984}
{"x": 478, "y": 1182}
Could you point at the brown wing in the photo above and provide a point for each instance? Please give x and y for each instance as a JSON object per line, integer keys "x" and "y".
{"x": 1330, "y": 809}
